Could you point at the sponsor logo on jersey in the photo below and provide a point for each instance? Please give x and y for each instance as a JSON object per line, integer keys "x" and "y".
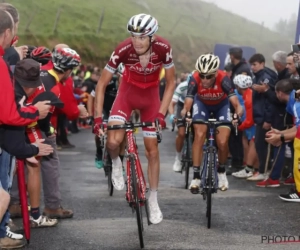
{"x": 211, "y": 96}
{"x": 169, "y": 56}
{"x": 124, "y": 48}
{"x": 162, "y": 44}
{"x": 154, "y": 56}
{"x": 148, "y": 70}
{"x": 113, "y": 58}
{"x": 133, "y": 59}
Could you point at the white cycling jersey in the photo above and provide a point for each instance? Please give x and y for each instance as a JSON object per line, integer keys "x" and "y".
{"x": 180, "y": 92}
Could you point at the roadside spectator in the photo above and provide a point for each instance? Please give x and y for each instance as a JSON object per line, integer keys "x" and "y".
{"x": 286, "y": 93}
{"x": 263, "y": 112}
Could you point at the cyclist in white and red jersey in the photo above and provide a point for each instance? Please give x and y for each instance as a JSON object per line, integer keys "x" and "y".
{"x": 143, "y": 56}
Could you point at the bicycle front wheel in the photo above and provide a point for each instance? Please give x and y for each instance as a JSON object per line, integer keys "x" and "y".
{"x": 137, "y": 205}
{"x": 109, "y": 182}
{"x": 209, "y": 187}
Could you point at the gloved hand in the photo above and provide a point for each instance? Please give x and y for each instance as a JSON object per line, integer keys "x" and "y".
{"x": 161, "y": 120}
{"x": 97, "y": 126}
{"x": 171, "y": 118}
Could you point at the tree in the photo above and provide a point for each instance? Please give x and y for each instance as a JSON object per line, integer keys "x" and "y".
{"x": 287, "y": 27}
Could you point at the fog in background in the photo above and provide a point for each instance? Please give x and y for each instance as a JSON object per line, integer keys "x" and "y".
{"x": 267, "y": 11}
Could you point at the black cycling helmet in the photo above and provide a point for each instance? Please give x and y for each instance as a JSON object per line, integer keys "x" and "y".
{"x": 41, "y": 54}
{"x": 64, "y": 59}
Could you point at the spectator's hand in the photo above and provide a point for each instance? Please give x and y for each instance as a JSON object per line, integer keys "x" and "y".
{"x": 82, "y": 111}
{"x": 43, "y": 108}
{"x": 32, "y": 160}
{"x": 266, "y": 126}
{"x": 22, "y": 51}
{"x": 84, "y": 95}
{"x": 274, "y": 139}
{"x": 260, "y": 88}
{"x": 272, "y": 131}
{"x": 44, "y": 149}
{"x": 296, "y": 57}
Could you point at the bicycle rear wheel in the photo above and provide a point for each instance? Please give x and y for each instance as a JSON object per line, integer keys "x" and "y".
{"x": 209, "y": 187}
{"x": 187, "y": 174}
{"x": 137, "y": 205}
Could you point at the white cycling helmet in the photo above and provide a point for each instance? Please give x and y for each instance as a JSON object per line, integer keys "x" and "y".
{"x": 243, "y": 81}
{"x": 121, "y": 69}
{"x": 142, "y": 25}
{"x": 207, "y": 64}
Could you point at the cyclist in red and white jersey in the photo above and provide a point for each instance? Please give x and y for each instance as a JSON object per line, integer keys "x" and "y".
{"x": 143, "y": 56}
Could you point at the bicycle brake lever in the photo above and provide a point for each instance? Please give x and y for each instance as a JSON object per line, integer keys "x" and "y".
{"x": 102, "y": 137}
{"x": 158, "y": 134}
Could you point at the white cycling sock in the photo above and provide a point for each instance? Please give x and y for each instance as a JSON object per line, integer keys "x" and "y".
{"x": 153, "y": 196}
{"x": 116, "y": 162}
{"x": 178, "y": 155}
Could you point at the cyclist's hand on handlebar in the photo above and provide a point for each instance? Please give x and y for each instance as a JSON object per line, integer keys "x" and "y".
{"x": 183, "y": 112}
{"x": 98, "y": 123}
{"x": 239, "y": 111}
{"x": 188, "y": 117}
{"x": 236, "y": 120}
{"x": 171, "y": 118}
{"x": 161, "y": 120}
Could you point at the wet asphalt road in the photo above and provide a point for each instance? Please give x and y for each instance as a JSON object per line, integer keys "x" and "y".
{"x": 241, "y": 216}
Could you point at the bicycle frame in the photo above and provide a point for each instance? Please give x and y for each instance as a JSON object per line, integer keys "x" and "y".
{"x": 210, "y": 147}
{"x": 132, "y": 150}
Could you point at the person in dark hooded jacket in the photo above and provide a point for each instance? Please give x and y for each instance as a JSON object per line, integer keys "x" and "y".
{"x": 263, "y": 111}
{"x": 238, "y": 66}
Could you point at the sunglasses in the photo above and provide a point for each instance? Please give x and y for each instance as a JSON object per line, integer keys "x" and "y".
{"x": 208, "y": 77}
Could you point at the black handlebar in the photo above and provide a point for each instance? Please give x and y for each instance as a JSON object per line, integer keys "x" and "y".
{"x": 130, "y": 125}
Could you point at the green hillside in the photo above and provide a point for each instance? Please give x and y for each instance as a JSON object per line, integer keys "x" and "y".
{"x": 192, "y": 27}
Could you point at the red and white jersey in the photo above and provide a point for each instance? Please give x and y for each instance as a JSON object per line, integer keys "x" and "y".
{"x": 134, "y": 73}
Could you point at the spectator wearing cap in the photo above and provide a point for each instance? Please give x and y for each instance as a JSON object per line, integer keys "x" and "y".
{"x": 13, "y": 142}
{"x": 27, "y": 79}
{"x": 27, "y": 74}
